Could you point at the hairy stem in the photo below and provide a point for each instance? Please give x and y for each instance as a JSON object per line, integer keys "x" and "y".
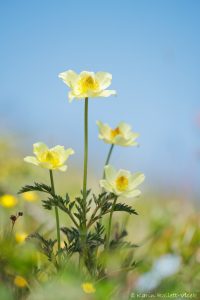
{"x": 106, "y": 163}
{"x": 108, "y": 158}
{"x": 93, "y": 216}
{"x": 83, "y": 226}
{"x": 85, "y": 158}
{"x": 110, "y": 223}
{"x": 73, "y": 219}
{"x": 56, "y": 210}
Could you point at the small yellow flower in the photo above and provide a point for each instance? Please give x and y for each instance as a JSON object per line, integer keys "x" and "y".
{"x": 87, "y": 84}
{"x": 88, "y": 288}
{"x": 122, "y": 135}
{"x": 20, "y": 281}
{"x": 122, "y": 182}
{"x": 20, "y": 237}
{"x": 8, "y": 200}
{"x": 30, "y": 196}
{"x": 52, "y": 159}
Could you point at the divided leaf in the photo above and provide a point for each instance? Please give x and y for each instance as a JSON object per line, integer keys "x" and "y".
{"x": 125, "y": 208}
{"x": 38, "y": 187}
{"x": 45, "y": 245}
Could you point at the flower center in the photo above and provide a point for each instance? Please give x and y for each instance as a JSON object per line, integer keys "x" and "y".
{"x": 88, "y": 83}
{"x": 122, "y": 183}
{"x": 114, "y": 132}
{"x": 50, "y": 157}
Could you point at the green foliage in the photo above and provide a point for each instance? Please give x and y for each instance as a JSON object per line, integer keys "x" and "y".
{"x": 46, "y": 246}
{"x": 124, "y": 208}
{"x": 97, "y": 206}
{"x": 37, "y": 187}
{"x": 73, "y": 237}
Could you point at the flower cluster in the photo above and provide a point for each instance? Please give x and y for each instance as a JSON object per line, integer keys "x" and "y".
{"x": 85, "y": 85}
{"x": 84, "y": 237}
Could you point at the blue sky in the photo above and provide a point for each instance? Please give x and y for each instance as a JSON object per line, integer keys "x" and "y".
{"x": 151, "y": 48}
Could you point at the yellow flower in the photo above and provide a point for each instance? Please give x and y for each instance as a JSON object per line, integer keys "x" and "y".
{"x": 20, "y": 281}
{"x": 20, "y": 237}
{"x": 121, "y": 135}
{"x": 88, "y": 288}
{"x": 52, "y": 159}
{"x": 30, "y": 196}
{"x": 8, "y": 200}
{"x": 122, "y": 182}
{"x": 87, "y": 84}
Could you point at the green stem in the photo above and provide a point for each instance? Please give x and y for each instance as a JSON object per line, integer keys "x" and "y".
{"x": 83, "y": 225}
{"x": 108, "y": 158}
{"x": 56, "y": 210}
{"x": 85, "y": 159}
{"x": 103, "y": 177}
{"x": 110, "y": 223}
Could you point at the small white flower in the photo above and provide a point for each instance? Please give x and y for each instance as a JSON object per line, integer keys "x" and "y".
{"x": 147, "y": 282}
{"x": 122, "y": 182}
{"x": 87, "y": 84}
{"x": 122, "y": 135}
{"x": 49, "y": 158}
{"x": 165, "y": 266}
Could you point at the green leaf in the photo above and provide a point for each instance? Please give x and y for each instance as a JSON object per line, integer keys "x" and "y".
{"x": 125, "y": 208}
{"x": 116, "y": 244}
{"x": 38, "y": 187}
{"x": 45, "y": 245}
{"x": 73, "y": 237}
{"x": 58, "y": 201}
{"x": 47, "y": 204}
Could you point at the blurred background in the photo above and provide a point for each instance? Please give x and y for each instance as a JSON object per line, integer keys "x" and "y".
{"x": 152, "y": 50}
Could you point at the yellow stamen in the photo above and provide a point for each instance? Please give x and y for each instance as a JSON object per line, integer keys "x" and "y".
{"x": 50, "y": 157}
{"x": 115, "y": 132}
{"x": 122, "y": 183}
{"x": 88, "y": 83}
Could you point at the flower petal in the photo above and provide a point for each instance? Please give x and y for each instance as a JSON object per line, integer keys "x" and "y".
{"x": 39, "y": 148}
{"x": 132, "y": 194}
{"x": 124, "y": 173}
{"x": 63, "y": 154}
{"x": 104, "y": 184}
{"x": 69, "y": 77}
{"x": 104, "y": 131}
{"x": 69, "y": 152}
{"x": 63, "y": 168}
{"x": 136, "y": 179}
{"x": 31, "y": 159}
{"x": 106, "y": 93}
{"x": 124, "y": 127}
{"x": 121, "y": 141}
{"x": 71, "y": 96}
{"x": 110, "y": 173}
{"x": 104, "y": 79}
